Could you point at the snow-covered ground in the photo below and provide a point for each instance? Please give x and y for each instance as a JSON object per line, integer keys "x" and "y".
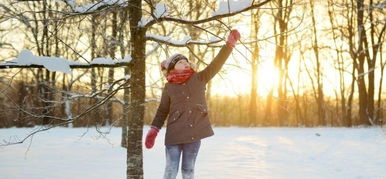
{"x": 63, "y": 153}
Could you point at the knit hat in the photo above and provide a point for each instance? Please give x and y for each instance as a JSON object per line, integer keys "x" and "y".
{"x": 169, "y": 63}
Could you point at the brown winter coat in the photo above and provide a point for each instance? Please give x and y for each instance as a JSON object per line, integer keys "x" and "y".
{"x": 186, "y": 106}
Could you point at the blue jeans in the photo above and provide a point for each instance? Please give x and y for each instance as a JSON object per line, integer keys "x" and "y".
{"x": 173, "y": 154}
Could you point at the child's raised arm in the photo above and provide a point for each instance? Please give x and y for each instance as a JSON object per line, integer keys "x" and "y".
{"x": 214, "y": 67}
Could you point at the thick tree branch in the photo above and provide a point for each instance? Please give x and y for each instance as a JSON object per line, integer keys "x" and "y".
{"x": 171, "y": 42}
{"x": 10, "y": 65}
{"x": 216, "y": 17}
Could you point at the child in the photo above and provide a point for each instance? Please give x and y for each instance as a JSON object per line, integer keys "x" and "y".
{"x": 183, "y": 99}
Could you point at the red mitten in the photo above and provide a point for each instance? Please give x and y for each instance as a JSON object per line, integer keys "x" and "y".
{"x": 150, "y": 137}
{"x": 233, "y": 37}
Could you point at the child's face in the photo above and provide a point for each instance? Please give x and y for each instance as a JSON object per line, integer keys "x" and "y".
{"x": 182, "y": 65}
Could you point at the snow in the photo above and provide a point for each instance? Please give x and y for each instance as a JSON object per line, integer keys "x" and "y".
{"x": 109, "y": 61}
{"x": 127, "y": 77}
{"x": 232, "y": 153}
{"x": 102, "y": 60}
{"x": 161, "y": 10}
{"x": 127, "y": 59}
{"x": 92, "y": 6}
{"x": 234, "y": 6}
{"x": 184, "y": 41}
{"x": 58, "y": 64}
{"x": 214, "y": 38}
{"x": 26, "y": 57}
{"x": 144, "y": 21}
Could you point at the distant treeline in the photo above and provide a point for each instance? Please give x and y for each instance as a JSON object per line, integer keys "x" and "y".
{"x": 20, "y": 106}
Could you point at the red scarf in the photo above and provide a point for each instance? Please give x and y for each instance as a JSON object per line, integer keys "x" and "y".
{"x": 179, "y": 76}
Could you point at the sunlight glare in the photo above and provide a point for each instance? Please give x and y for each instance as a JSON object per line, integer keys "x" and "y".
{"x": 267, "y": 78}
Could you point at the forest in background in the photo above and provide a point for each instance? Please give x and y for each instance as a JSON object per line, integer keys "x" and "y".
{"x": 319, "y": 37}
{"x": 224, "y": 111}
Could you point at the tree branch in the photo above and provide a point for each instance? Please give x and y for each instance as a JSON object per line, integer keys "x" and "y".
{"x": 67, "y": 121}
{"x": 10, "y": 65}
{"x": 174, "y": 43}
{"x": 181, "y": 21}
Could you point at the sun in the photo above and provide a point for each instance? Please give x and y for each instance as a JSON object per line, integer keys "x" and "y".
{"x": 267, "y": 78}
{"x": 237, "y": 81}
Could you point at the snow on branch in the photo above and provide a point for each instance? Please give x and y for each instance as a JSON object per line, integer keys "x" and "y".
{"x": 92, "y": 7}
{"x": 27, "y": 60}
{"x": 381, "y": 5}
{"x": 182, "y": 43}
{"x": 238, "y": 6}
{"x": 161, "y": 10}
{"x": 228, "y": 6}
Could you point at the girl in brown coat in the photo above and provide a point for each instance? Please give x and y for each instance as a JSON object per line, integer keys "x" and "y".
{"x": 183, "y": 103}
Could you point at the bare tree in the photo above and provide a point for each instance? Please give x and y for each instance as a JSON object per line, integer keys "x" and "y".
{"x": 319, "y": 75}
{"x": 282, "y": 55}
{"x": 255, "y": 22}
{"x": 373, "y": 47}
{"x": 345, "y": 101}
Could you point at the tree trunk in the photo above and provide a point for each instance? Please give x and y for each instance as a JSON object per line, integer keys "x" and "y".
{"x": 371, "y": 65}
{"x": 126, "y": 92}
{"x": 255, "y": 18}
{"x": 315, "y": 46}
{"x": 282, "y": 58}
{"x": 348, "y": 109}
{"x": 379, "y": 111}
{"x": 376, "y": 39}
{"x": 112, "y": 44}
{"x": 20, "y": 101}
{"x": 135, "y": 123}
{"x": 94, "y": 26}
{"x": 363, "y": 101}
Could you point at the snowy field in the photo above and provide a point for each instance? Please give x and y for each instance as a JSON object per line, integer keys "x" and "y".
{"x": 64, "y": 153}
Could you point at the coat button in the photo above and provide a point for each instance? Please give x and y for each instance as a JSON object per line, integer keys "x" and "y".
{"x": 191, "y": 125}
{"x": 192, "y": 138}
{"x": 187, "y": 97}
{"x": 190, "y": 111}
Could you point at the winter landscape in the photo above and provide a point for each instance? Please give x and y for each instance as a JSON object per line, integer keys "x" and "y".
{"x": 113, "y": 89}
